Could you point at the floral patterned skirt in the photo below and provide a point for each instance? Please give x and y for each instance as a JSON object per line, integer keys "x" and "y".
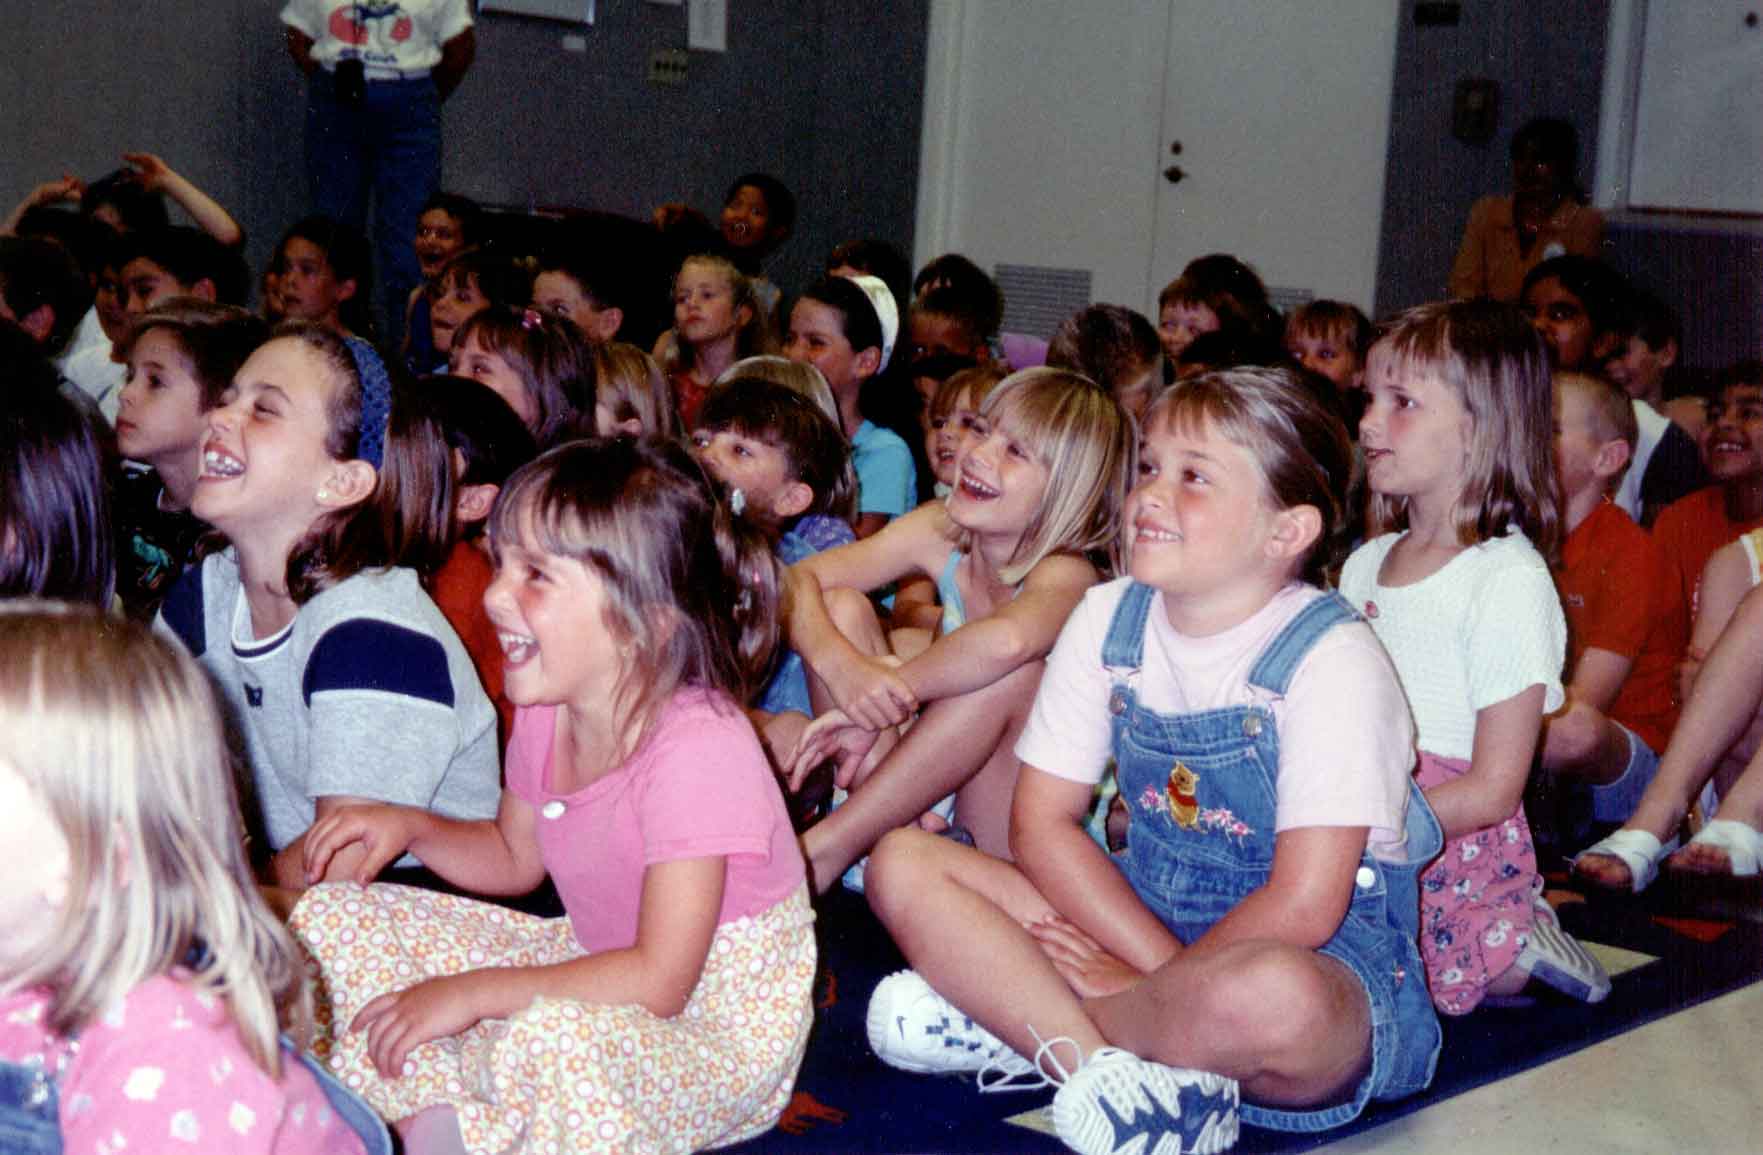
{"x": 1476, "y": 898}
{"x": 564, "y": 1076}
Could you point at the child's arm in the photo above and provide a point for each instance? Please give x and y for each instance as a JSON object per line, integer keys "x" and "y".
{"x": 1051, "y": 847}
{"x": 287, "y": 867}
{"x": 1306, "y": 895}
{"x": 872, "y": 693}
{"x": 356, "y": 842}
{"x": 1022, "y": 630}
{"x": 1505, "y": 743}
{"x": 1598, "y": 678}
{"x": 456, "y": 57}
{"x": 676, "y": 924}
{"x": 157, "y": 176}
{"x": 300, "y": 48}
{"x": 68, "y": 188}
{"x": 1302, "y": 904}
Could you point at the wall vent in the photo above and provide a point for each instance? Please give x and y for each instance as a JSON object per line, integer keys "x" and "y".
{"x": 1038, "y": 298}
{"x": 1286, "y": 299}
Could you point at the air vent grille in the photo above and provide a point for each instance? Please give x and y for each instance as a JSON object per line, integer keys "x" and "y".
{"x": 1037, "y": 298}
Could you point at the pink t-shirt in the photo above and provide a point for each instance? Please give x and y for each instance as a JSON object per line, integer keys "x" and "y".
{"x": 165, "y": 1070}
{"x": 699, "y": 786}
{"x": 1346, "y": 741}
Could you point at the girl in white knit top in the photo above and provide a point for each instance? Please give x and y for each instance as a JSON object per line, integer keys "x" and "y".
{"x": 1458, "y": 459}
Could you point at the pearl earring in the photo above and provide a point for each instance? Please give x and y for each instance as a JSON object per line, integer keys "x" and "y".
{"x": 324, "y": 495}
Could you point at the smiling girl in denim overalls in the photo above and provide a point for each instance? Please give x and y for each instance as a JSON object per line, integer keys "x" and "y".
{"x": 1257, "y": 935}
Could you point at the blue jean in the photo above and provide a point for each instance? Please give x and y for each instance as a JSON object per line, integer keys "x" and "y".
{"x": 1616, "y": 801}
{"x": 30, "y": 1120}
{"x": 1201, "y": 792}
{"x": 387, "y": 148}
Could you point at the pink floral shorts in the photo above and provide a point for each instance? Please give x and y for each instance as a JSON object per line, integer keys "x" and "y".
{"x": 1476, "y": 899}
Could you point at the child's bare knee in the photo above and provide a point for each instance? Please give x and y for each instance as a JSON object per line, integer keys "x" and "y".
{"x": 848, "y": 607}
{"x": 899, "y": 865}
{"x": 854, "y": 615}
{"x": 1575, "y": 739}
{"x": 1268, "y": 992}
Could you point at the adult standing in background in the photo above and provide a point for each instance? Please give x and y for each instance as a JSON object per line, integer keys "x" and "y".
{"x": 377, "y": 72}
{"x": 1544, "y": 216}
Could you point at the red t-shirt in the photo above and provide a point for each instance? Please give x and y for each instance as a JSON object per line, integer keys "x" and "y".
{"x": 688, "y": 397}
{"x": 1619, "y": 595}
{"x": 1688, "y": 532}
{"x": 458, "y": 589}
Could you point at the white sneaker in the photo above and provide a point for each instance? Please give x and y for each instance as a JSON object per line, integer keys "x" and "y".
{"x": 913, "y": 1028}
{"x": 1554, "y": 957}
{"x": 1119, "y": 1104}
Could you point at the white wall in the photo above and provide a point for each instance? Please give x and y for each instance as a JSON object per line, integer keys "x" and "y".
{"x": 1047, "y": 127}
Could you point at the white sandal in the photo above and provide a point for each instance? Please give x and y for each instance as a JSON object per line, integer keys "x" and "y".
{"x": 1743, "y": 844}
{"x": 1638, "y": 850}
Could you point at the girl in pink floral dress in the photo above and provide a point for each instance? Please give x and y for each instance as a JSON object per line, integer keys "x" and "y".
{"x": 669, "y": 1011}
{"x": 1458, "y": 457}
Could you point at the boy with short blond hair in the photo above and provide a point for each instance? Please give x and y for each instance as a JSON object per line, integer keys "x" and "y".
{"x": 1627, "y": 623}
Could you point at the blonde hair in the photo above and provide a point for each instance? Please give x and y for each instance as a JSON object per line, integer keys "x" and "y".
{"x": 1612, "y": 411}
{"x": 751, "y": 338}
{"x": 1491, "y": 357}
{"x": 1300, "y": 445}
{"x": 792, "y": 375}
{"x": 1082, "y": 437}
{"x": 118, "y": 732}
{"x": 631, "y": 386}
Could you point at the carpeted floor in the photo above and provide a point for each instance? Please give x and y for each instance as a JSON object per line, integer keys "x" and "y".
{"x": 1683, "y": 942}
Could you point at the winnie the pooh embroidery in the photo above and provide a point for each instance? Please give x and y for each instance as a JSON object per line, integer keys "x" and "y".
{"x": 1184, "y": 802}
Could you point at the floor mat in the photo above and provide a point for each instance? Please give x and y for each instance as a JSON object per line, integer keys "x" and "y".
{"x": 848, "y": 1102}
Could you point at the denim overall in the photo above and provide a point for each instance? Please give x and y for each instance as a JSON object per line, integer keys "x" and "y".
{"x": 1200, "y": 789}
{"x": 30, "y": 1120}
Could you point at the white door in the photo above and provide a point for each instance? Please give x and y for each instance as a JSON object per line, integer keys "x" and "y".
{"x": 1048, "y": 129}
{"x": 1282, "y": 111}
{"x": 1040, "y": 132}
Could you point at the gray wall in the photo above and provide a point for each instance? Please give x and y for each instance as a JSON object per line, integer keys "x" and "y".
{"x": 1547, "y": 59}
{"x": 205, "y": 84}
{"x": 825, "y": 94}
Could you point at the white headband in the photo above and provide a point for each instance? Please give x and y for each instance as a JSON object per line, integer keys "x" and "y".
{"x": 886, "y": 311}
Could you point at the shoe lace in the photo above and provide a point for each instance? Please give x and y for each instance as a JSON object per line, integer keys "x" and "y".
{"x": 1008, "y": 1071}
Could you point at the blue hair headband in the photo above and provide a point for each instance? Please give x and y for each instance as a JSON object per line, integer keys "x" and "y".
{"x": 376, "y": 400}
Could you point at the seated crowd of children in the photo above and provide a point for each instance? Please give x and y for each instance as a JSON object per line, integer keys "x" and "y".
{"x": 1188, "y": 696}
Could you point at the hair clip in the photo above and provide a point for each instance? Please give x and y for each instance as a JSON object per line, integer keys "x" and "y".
{"x": 531, "y": 319}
